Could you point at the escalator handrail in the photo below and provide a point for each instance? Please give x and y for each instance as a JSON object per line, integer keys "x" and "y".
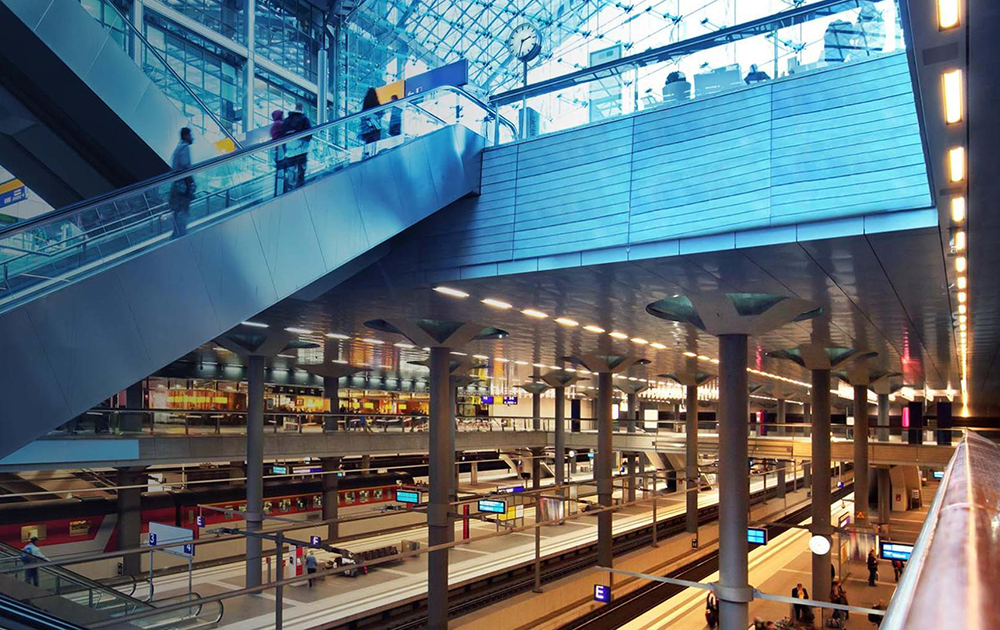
{"x": 166, "y": 178}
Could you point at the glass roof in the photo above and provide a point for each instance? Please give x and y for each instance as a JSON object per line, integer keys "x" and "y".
{"x": 390, "y": 39}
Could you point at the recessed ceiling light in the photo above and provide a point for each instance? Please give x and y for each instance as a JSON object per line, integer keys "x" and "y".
{"x": 496, "y": 303}
{"x": 482, "y": 357}
{"x": 689, "y": 354}
{"x": 459, "y": 354}
{"x": 956, "y": 165}
{"x": 501, "y": 360}
{"x": 299, "y": 331}
{"x": 948, "y": 14}
{"x": 593, "y": 329}
{"x": 377, "y": 342}
{"x": 961, "y": 264}
{"x": 958, "y": 209}
{"x": 715, "y": 360}
{"x": 403, "y": 344}
{"x": 337, "y": 336}
{"x": 521, "y": 362}
{"x": 530, "y": 312}
{"x": 704, "y": 358}
{"x": 565, "y": 321}
{"x": 658, "y": 345}
{"x": 953, "y": 107}
{"x": 286, "y": 356}
{"x": 962, "y": 296}
{"x": 451, "y": 292}
{"x": 256, "y": 324}
{"x": 639, "y": 340}
{"x": 962, "y": 308}
{"x": 960, "y": 241}
{"x": 538, "y": 365}
{"x": 618, "y": 335}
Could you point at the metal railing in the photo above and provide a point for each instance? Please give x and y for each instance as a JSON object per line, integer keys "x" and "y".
{"x": 82, "y": 238}
{"x": 954, "y": 561}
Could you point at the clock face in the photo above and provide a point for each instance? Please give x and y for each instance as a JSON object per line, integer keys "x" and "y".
{"x": 525, "y": 42}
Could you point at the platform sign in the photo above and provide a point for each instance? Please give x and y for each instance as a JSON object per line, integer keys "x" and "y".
{"x": 162, "y": 534}
{"x": 408, "y": 496}
{"x": 510, "y": 489}
{"x": 315, "y": 542}
{"x": 279, "y": 470}
{"x": 491, "y": 506}
{"x": 199, "y": 521}
{"x": 486, "y": 400}
{"x": 602, "y": 593}
{"x": 510, "y": 401}
{"x": 756, "y": 536}
{"x": 894, "y": 551}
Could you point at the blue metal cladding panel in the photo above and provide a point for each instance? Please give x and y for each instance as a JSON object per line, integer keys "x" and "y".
{"x": 836, "y": 143}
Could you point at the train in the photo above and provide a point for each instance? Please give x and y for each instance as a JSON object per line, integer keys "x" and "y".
{"x": 89, "y": 525}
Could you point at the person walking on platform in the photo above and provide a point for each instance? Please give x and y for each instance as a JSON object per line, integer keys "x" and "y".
{"x": 897, "y": 569}
{"x": 182, "y": 190}
{"x": 712, "y": 610}
{"x": 30, "y": 555}
{"x": 311, "y": 567}
{"x": 277, "y": 130}
{"x": 296, "y": 151}
{"x": 872, "y": 567}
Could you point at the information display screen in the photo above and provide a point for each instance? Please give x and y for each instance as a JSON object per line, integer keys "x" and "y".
{"x": 408, "y": 496}
{"x": 756, "y": 536}
{"x": 510, "y": 400}
{"x": 895, "y": 551}
{"x": 492, "y": 507}
{"x": 938, "y": 474}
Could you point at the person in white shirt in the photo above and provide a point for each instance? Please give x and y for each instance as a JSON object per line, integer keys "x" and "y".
{"x": 30, "y": 555}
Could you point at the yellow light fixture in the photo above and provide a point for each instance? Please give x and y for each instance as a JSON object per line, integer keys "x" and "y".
{"x": 958, "y": 209}
{"x": 962, "y": 297}
{"x": 497, "y": 303}
{"x": 961, "y": 264}
{"x": 690, "y": 354}
{"x": 956, "y": 166}
{"x": 639, "y": 340}
{"x": 593, "y": 329}
{"x": 948, "y": 14}
{"x": 961, "y": 309}
{"x": 962, "y": 318}
{"x": 963, "y": 282}
{"x": 530, "y": 312}
{"x": 565, "y": 321}
{"x": 953, "y": 107}
{"x": 451, "y": 292}
{"x": 618, "y": 335}
{"x": 959, "y": 241}
{"x": 658, "y": 345}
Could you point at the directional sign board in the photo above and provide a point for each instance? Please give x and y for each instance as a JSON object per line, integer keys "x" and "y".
{"x": 199, "y": 521}
{"x": 756, "y": 536}
{"x": 161, "y": 534}
{"x": 408, "y": 496}
{"x": 493, "y": 507}
{"x": 895, "y": 551}
{"x": 602, "y": 593}
{"x": 314, "y": 541}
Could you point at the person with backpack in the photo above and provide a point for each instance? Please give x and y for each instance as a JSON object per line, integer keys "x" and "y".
{"x": 296, "y": 151}
{"x": 30, "y": 556}
{"x": 277, "y": 130}
{"x": 371, "y": 126}
{"x": 712, "y": 610}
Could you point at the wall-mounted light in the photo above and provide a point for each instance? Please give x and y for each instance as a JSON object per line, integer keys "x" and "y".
{"x": 958, "y": 209}
{"x": 956, "y": 164}
{"x": 949, "y": 15}
{"x": 961, "y": 264}
{"x": 960, "y": 241}
{"x": 953, "y": 108}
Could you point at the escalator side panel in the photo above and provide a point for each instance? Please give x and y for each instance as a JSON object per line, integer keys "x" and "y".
{"x": 81, "y": 87}
{"x": 87, "y": 339}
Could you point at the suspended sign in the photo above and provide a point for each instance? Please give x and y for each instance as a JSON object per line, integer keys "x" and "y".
{"x": 492, "y": 506}
{"x": 408, "y": 496}
{"x": 756, "y": 536}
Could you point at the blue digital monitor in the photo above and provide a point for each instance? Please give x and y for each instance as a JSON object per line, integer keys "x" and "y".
{"x": 408, "y": 496}
{"x": 486, "y": 400}
{"x": 510, "y": 489}
{"x": 493, "y": 507}
{"x": 510, "y": 400}
{"x": 938, "y": 474}
{"x": 279, "y": 470}
{"x": 894, "y": 551}
{"x": 756, "y": 536}
{"x": 602, "y": 593}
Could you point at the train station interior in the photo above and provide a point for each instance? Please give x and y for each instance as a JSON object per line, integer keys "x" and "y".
{"x": 499, "y": 314}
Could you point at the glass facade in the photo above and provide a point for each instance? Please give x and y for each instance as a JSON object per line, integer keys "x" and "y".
{"x": 210, "y": 71}
{"x": 271, "y": 92}
{"x": 226, "y": 17}
{"x": 289, "y": 33}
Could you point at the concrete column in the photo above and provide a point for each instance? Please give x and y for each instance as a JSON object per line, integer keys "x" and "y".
{"x": 860, "y": 452}
{"x": 331, "y": 391}
{"x": 331, "y": 495}
{"x": 474, "y": 472}
{"x": 237, "y": 471}
{"x": 633, "y": 412}
{"x": 536, "y": 411}
{"x": 641, "y": 458}
{"x": 884, "y": 495}
{"x": 631, "y": 457}
{"x": 255, "y": 466}
{"x": 536, "y": 469}
{"x": 560, "y": 445}
{"x": 782, "y": 416}
{"x": 442, "y": 450}
{"x": 821, "y": 480}
{"x": 734, "y": 477}
{"x": 691, "y": 462}
{"x": 806, "y": 414}
{"x": 129, "y": 517}
{"x": 366, "y": 463}
{"x": 603, "y": 462}
{"x": 883, "y": 418}
{"x": 250, "y": 66}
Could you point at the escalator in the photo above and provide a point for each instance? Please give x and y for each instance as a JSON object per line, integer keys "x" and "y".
{"x": 87, "y": 107}
{"x": 39, "y": 591}
{"x": 96, "y": 296}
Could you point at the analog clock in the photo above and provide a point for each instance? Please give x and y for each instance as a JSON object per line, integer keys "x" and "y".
{"x": 525, "y": 42}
